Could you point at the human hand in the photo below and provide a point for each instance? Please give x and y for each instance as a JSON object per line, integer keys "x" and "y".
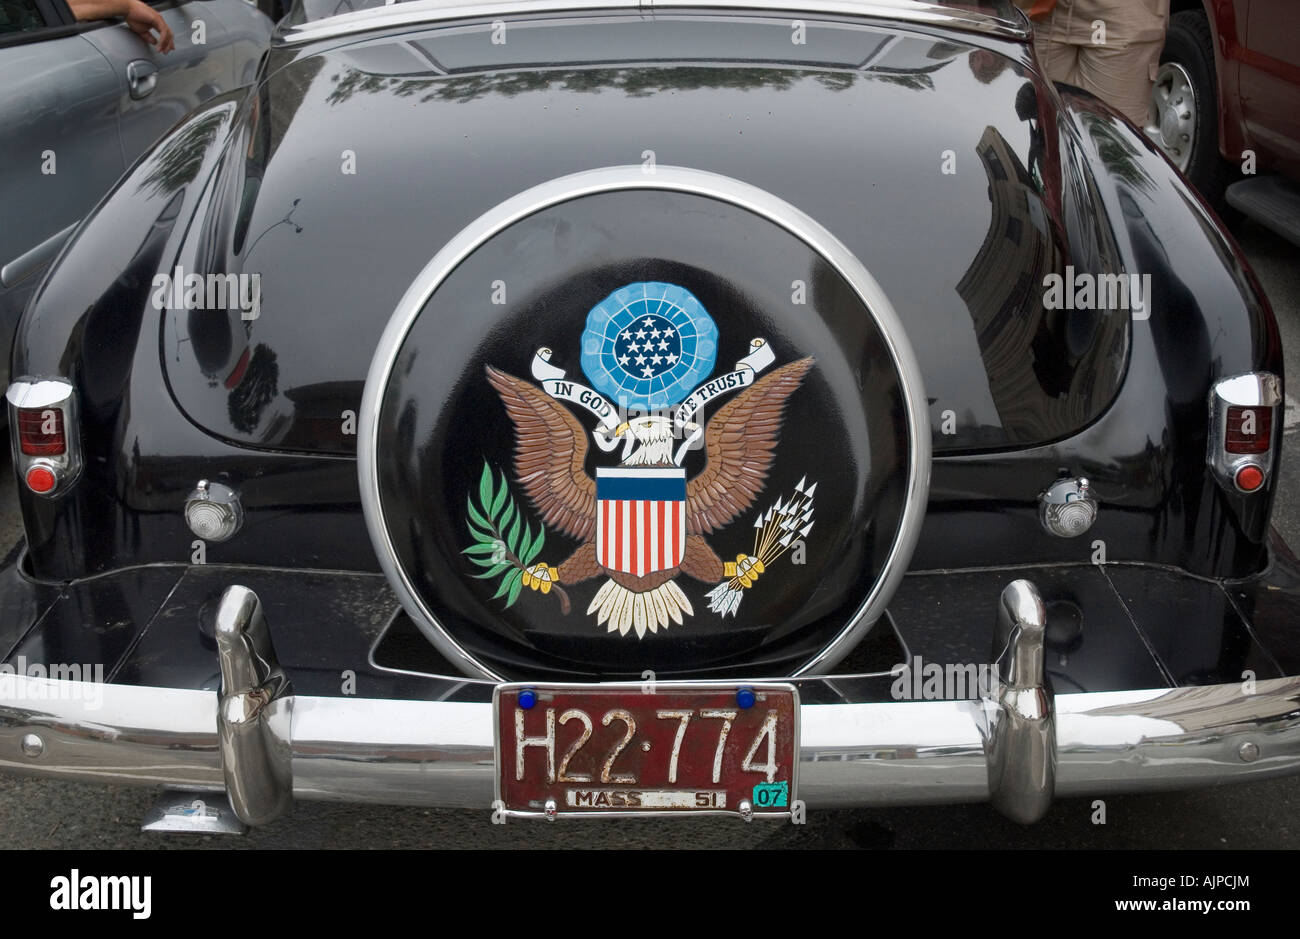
{"x": 144, "y": 20}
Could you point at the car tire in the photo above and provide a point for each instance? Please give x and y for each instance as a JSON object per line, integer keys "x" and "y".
{"x": 1187, "y": 62}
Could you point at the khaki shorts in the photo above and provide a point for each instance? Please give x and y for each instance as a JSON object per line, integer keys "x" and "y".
{"x": 1119, "y": 70}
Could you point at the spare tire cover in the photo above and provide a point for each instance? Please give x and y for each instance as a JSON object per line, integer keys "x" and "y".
{"x": 630, "y": 422}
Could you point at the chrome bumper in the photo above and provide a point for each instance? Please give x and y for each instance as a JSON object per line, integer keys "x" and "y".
{"x": 1018, "y": 748}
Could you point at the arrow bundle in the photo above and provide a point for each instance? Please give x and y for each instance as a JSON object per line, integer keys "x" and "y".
{"x": 782, "y": 524}
{"x": 775, "y": 531}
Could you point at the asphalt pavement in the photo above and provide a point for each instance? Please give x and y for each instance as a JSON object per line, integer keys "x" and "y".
{"x": 46, "y": 814}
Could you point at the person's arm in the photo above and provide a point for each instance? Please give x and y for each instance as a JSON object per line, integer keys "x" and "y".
{"x": 143, "y": 19}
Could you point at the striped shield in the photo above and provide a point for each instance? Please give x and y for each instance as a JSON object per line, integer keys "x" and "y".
{"x": 640, "y": 519}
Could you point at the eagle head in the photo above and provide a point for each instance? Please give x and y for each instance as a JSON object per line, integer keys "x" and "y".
{"x": 649, "y": 441}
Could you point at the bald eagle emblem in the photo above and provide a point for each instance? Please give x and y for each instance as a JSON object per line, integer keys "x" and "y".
{"x": 651, "y": 348}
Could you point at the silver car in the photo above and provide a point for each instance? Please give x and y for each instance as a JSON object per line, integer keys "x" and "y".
{"x": 82, "y": 101}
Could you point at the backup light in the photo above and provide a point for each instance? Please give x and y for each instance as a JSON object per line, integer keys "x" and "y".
{"x": 1067, "y": 509}
{"x": 213, "y": 511}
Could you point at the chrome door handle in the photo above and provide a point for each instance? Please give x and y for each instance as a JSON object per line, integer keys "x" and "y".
{"x": 141, "y": 77}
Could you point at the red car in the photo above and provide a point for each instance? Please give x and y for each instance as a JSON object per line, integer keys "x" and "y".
{"x": 1226, "y": 105}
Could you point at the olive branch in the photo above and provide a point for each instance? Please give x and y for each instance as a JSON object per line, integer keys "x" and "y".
{"x": 504, "y": 543}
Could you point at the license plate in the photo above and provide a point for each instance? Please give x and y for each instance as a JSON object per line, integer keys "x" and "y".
{"x": 618, "y": 750}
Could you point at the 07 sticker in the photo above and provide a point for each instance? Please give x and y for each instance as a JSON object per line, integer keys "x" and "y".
{"x": 772, "y": 795}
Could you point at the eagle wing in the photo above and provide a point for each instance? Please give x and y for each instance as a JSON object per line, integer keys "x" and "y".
{"x": 550, "y": 453}
{"x": 739, "y": 443}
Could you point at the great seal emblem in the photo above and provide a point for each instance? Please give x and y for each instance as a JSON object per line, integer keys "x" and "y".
{"x": 649, "y": 350}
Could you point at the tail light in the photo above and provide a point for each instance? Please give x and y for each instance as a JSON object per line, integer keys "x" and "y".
{"x": 1249, "y": 430}
{"x": 1243, "y": 421}
{"x": 43, "y": 424}
{"x": 41, "y": 432}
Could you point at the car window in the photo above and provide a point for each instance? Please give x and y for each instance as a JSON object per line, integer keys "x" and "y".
{"x": 307, "y": 11}
{"x": 27, "y": 21}
{"x": 19, "y": 16}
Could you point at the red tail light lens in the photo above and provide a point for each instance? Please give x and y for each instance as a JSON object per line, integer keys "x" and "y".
{"x": 41, "y": 479}
{"x": 41, "y": 432}
{"x": 1249, "y": 430}
{"x": 1249, "y": 478}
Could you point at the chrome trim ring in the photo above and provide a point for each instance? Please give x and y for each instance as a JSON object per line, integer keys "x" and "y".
{"x": 675, "y": 179}
{"x": 428, "y": 12}
{"x": 51, "y": 467}
{"x": 1236, "y": 471}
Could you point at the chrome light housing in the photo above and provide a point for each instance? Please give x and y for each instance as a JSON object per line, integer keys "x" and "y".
{"x": 213, "y": 511}
{"x": 1067, "y": 509}
{"x": 45, "y": 434}
{"x": 1245, "y": 422}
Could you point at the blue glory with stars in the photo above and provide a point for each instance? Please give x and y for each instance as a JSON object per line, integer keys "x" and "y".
{"x": 647, "y": 345}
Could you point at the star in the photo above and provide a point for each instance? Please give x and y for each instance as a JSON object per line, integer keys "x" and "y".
{"x": 663, "y": 343}
{"x": 668, "y": 330}
{"x": 640, "y": 334}
{"x": 649, "y": 321}
{"x": 648, "y": 372}
{"x": 672, "y": 359}
{"x": 654, "y": 334}
{"x": 656, "y": 359}
{"x": 633, "y": 347}
{"x": 640, "y": 360}
{"x": 622, "y": 360}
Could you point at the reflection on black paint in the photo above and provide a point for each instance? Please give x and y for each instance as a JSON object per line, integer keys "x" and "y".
{"x": 633, "y": 82}
{"x": 181, "y": 157}
{"x": 255, "y": 389}
{"x": 210, "y": 338}
{"x": 343, "y": 265}
{"x": 1118, "y": 154}
{"x": 1036, "y": 384}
